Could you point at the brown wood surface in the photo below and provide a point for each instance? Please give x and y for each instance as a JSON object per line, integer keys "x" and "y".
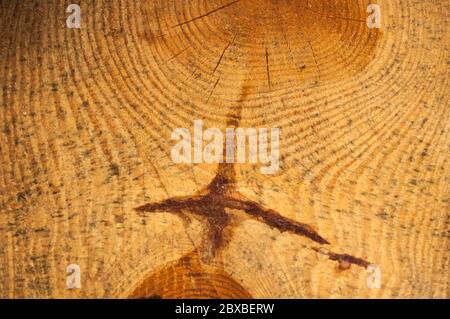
{"x": 86, "y": 175}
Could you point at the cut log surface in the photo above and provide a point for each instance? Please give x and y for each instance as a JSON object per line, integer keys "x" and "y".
{"x": 87, "y": 178}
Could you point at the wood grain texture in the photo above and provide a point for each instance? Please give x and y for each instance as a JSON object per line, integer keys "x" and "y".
{"x": 85, "y": 122}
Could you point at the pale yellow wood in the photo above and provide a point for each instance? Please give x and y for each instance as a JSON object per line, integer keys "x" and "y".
{"x": 86, "y": 117}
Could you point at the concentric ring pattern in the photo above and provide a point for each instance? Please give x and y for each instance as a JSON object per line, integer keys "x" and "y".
{"x": 86, "y": 117}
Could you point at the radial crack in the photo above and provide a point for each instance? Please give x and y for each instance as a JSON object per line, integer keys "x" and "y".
{"x": 206, "y": 14}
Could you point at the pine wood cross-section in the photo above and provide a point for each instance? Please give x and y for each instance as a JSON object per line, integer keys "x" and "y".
{"x": 86, "y": 176}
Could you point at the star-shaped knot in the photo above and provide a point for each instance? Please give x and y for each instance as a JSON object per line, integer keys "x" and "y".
{"x": 221, "y": 195}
